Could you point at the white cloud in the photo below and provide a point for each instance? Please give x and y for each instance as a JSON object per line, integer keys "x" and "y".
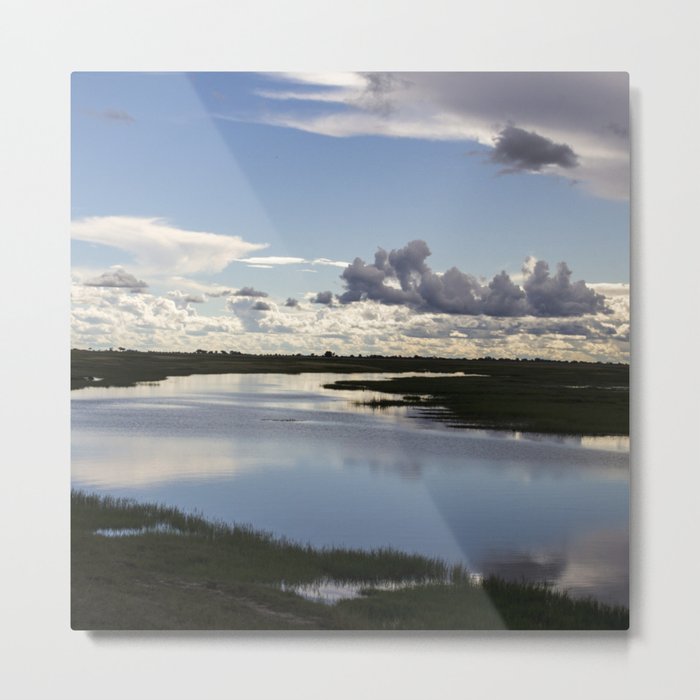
{"x": 435, "y": 127}
{"x": 210, "y": 290}
{"x": 104, "y": 317}
{"x": 611, "y": 289}
{"x": 586, "y": 111}
{"x": 336, "y": 96}
{"x": 272, "y": 260}
{"x": 110, "y": 317}
{"x": 160, "y": 248}
{"x": 326, "y": 261}
{"x": 328, "y": 79}
{"x": 269, "y": 261}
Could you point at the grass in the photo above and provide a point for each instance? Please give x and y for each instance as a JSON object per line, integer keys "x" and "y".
{"x": 214, "y": 576}
{"x": 581, "y": 398}
{"x": 544, "y": 397}
{"x": 117, "y": 368}
{"x": 218, "y": 577}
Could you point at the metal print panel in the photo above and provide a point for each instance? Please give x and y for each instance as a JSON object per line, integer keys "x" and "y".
{"x": 350, "y": 351}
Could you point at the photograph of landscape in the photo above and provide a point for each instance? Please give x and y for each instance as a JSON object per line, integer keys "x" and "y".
{"x": 350, "y": 351}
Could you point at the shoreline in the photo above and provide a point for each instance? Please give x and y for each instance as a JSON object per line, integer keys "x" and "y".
{"x": 565, "y": 398}
{"x": 157, "y": 579}
{"x": 184, "y": 572}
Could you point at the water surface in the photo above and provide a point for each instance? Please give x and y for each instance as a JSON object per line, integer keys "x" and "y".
{"x": 285, "y": 455}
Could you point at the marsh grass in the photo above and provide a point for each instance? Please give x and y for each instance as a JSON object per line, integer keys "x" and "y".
{"x": 525, "y": 606}
{"x": 131, "y": 367}
{"x": 583, "y": 398}
{"x": 255, "y": 555}
{"x": 218, "y": 576}
{"x": 544, "y": 397}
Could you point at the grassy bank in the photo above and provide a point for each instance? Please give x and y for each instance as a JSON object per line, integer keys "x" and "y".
{"x": 195, "y": 574}
{"x": 127, "y": 368}
{"x": 544, "y": 397}
{"x": 550, "y": 397}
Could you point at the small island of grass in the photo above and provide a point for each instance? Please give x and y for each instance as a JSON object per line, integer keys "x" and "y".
{"x": 542, "y": 397}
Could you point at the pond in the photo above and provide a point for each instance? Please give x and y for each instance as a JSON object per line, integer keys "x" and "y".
{"x": 287, "y": 456}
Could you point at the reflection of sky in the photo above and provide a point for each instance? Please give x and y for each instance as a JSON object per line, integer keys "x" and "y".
{"x": 279, "y": 453}
{"x": 305, "y": 392}
{"x": 595, "y": 563}
{"x": 106, "y": 461}
{"x": 598, "y": 564}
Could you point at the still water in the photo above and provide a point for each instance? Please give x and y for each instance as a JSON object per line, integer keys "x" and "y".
{"x": 287, "y": 456}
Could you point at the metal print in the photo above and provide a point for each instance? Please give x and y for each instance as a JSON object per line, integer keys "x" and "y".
{"x": 350, "y": 351}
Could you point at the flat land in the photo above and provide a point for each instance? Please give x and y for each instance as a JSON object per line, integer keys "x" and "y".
{"x": 582, "y": 398}
{"x": 210, "y": 576}
{"x": 195, "y": 574}
{"x": 559, "y": 399}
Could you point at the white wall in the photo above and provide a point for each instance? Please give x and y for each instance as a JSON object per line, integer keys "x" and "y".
{"x": 42, "y": 42}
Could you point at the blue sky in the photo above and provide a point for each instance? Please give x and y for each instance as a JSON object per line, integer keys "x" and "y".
{"x": 203, "y": 185}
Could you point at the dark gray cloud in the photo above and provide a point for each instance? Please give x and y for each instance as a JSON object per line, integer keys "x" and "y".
{"x": 590, "y": 329}
{"x": 586, "y": 112}
{"x": 323, "y": 298}
{"x": 579, "y": 101}
{"x": 260, "y": 306}
{"x": 116, "y": 278}
{"x": 249, "y": 292}
{"x": 557, "y": 295}
{"x": 527, "y": 151}
{"x": 403, "y": 277}
{"x": 115, "y": 115}
{"x": 219, "y": 293}
{"x": 620, "y": 130}
{"x": 291, "y": 302}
